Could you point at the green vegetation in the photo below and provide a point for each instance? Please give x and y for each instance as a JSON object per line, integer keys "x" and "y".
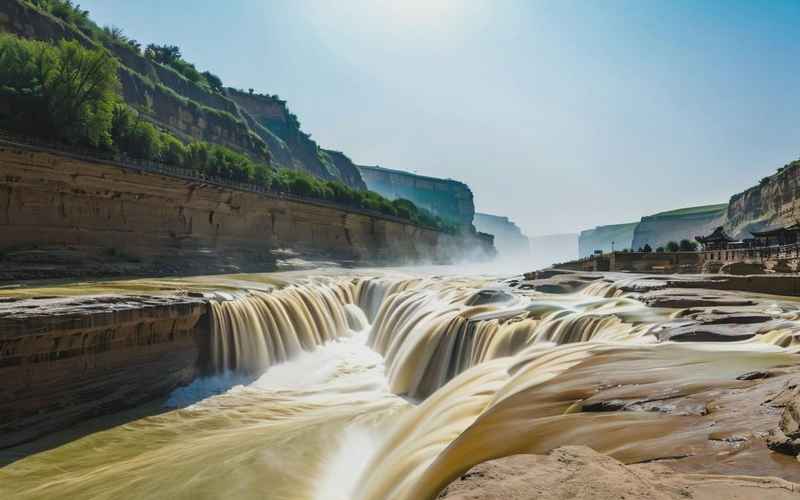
{"x": 62, "y": 91}
{"x": 687, "y": 246}
{"x": 70, "y": 93}
{"x": 683, "y": 246}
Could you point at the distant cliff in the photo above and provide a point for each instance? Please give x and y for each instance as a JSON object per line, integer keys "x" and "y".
{"x": 449, "y": 199}
{"x": 601, "y": 238}
{"x": 508, "y": 237}
{"x": 676, "y": 225}
{"x": 775, "y": 201}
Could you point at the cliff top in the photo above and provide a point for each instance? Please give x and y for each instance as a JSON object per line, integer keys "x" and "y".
{"x": 378, "y": 168}
{"x": 700, "y": 210}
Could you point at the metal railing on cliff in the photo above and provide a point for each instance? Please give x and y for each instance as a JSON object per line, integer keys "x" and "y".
{"x": 125, "y": 161}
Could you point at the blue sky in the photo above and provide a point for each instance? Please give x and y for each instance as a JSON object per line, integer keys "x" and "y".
{"x": 562, "y": 115}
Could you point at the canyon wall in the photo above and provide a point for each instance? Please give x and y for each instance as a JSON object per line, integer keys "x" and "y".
{"x": 290, "y": 146}
{"x": 62, "y": 209}
{"x": 508, "y": 237}
{"x": 676, "y": 225}
{"x": 774, "y": 202}
{"x": 601, "y": 238}
{"x": 449, "y": 199}
{"x": 258, "y": 125}
{"x": 654, "y": 230}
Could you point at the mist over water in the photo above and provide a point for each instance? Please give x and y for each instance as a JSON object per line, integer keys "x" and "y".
{"x": 387, "y": 385}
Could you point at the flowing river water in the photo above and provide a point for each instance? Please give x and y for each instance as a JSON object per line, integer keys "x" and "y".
{"x": 389, "y": 385}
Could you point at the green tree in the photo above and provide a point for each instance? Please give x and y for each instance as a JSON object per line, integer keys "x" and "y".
{"x": 214, "y": 82}
{"x": 76, "y": 86}
{"x": 173, "y": 151}
{"x": 672, "y": 246}
{"x": 647, "y": 248}
{"x": 163, "y": 54}
{"x": 687, "y": 246}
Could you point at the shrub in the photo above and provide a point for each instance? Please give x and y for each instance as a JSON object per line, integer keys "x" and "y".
{"x": 214, "y": 82}
{"x": 173, "y": 151}
{"x": 77, "y": 87}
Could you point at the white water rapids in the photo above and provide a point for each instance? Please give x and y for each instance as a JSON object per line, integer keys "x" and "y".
{"x": 388, "y": 387}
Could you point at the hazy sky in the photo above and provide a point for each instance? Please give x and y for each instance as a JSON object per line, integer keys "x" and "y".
{"x": 562, "y": 115}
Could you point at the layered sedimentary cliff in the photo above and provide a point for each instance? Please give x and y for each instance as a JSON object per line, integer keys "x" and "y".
{"x": 290, "y": 146}
{"x": 449, "y": 199}
{"x": 774, "y": 202}
{"x": 601, "y": 238}
{"x": 64, "y": 360}
{"x": 508, "y": 237}
{"x": 56, "y": 205}
{"x": 676, "y": 225}
{"x": 654, "y": 230}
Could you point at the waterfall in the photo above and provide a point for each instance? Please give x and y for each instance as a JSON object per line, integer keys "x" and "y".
{"x": 257, "y": 329}
{"x": 495, "y": 373}
{"x": 431, "y": 333}
{"x": 260, "y": 329}
{"x": 301, "y": 406}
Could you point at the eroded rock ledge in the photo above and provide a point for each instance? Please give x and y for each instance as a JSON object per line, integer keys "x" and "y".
{"x": 578, "y": 472}
{"x": 63, "y": 360}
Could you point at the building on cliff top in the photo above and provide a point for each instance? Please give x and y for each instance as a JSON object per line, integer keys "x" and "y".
{"x": 449, "y": 199}
{"x": 508, "y": 237}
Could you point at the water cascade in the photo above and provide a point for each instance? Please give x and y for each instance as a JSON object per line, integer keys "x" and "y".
{"x": 486, "y": 372}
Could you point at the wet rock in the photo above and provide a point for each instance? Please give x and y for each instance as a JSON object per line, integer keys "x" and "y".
{"x": 688, "y": 298}
{"x": 489, "y": 296}
{"x": 612, "y": 405}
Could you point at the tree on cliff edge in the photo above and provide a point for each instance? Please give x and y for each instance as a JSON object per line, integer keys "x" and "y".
{"x": 687, "y": 246}
{"x": 63, "y": 91}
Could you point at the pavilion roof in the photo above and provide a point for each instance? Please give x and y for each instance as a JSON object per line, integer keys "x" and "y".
{"x": 718, "y": 235}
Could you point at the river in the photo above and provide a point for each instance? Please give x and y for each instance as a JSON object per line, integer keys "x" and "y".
{"x": 389, "y": 384}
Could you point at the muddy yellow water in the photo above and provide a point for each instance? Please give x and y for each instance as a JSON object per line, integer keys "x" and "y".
{"x": 389, "y": 385}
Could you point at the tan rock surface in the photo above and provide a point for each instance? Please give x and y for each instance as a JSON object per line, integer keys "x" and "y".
{"x": 578, "y": 473}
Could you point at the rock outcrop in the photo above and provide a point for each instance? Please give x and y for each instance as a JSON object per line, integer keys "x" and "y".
{"x": 63, "y": 360}
{"x": 773, "y": 202}
{"x": 290, "y": 146}
{"x": 578, "y": 473}
{"x": 785, "y": 438}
